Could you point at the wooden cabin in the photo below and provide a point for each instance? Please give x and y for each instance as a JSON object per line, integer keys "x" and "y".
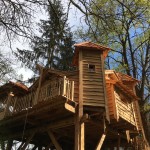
{"x": 90, "y": 108}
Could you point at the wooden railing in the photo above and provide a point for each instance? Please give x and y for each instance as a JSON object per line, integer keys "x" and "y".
{"x": 68, "y": 89}
{"x": 18, "y": 104}
{"x": 62, "y": 87}
{"x": 51, "y": 90}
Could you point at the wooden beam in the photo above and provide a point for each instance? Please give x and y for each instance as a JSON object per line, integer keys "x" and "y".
{"x": 104, "y": 87}
{"x": 77, "y": 131}
{"x": 48, "y": 147}
{"x": 115, "y": 109}
{"x": 101, "y": 141}
{"x": 109, "y": 128}
{"x": 118, "y": 145}
{"x": 34, "y": 148}
{"x": 9, "y": 144}
{"x": 69, "y": 108}
{"x": 39, "y": 147}
{"x": 19, "y": 148}
{"x": 82, "y": 136}
{"x": 28, "y": 141}
{"x": 54, "y": 125}
{"x": 2, "y": 145}
{"x": 128, "y": 135}
{"x": 84, "y": 118}
{"x": 55, "y": 142}
{"x": 79, "y": 126}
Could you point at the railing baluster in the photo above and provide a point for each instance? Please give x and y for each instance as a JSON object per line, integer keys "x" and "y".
{"x": 72, "y": 92}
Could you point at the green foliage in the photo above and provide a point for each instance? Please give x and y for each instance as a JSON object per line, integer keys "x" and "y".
{"x": 6, "y": 71}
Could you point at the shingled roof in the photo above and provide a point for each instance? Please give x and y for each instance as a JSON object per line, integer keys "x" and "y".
{"x": 89, "y": 46}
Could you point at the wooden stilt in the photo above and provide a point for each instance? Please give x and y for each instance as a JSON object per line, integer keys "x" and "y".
{"x": 9, "y": 144}
{"x": 101, "y": 141}
{"x": 128, "y": 135}
{"x": 39, "y": 147}
{"x": 82, "y": 137}
{"x": 77, "y": 130}
{"x": 47, "y": 147}
{"x": 80, "y": 112}
{"x": 2, "y": 145}
{"x": 27, "y": 142}
{"x": 19, "y": 148}
{"x": 118, "y": 145}
{"x": 112, "y": 148}
{"x": 55, "y": 142}
{"x": 34, "y": 148}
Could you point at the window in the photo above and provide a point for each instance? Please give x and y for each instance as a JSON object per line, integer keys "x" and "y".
{"x": 91, "y": 68}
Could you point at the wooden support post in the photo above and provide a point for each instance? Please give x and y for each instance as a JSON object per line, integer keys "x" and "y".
{"x": 55, "y": 142}
{"x": 82, "y": 137}
{"x": 118, "y": 145}
{"x": 34, "y": 148}
{"x": 77, "y": 131}
{"x": 28, "y": 141}
{"x": 9, "y": 144}
{"x": 84, "y": 118}
{"x": 2, "y": 146}
{"x": 128, "y": 135}
{"x": 19, "y": 148}
{"x": 79, "y": 126}
{"x": 47, "y": 147}
{"x": 104, "y": 87}
{"x": 39, "y": 147}
{"x": 101, "y": 141}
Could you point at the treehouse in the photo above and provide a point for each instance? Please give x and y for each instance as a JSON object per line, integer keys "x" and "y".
{"x": 89, "y": 108}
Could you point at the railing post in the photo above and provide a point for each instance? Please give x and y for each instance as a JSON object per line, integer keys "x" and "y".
{"x": 68, "y": 90}
{"x": 14, "y": 107}
{"x": 64, "y": 86}
{"x": 72, "y": 91}
{"x": 7, "y": 104}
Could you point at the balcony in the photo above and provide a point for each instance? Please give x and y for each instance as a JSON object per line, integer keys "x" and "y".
{"x": 51, "y": 92}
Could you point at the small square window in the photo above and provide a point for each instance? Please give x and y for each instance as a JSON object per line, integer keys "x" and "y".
{"x": 91, "y": 68}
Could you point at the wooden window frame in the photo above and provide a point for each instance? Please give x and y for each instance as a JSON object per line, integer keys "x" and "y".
{"x": 91, "y": 68}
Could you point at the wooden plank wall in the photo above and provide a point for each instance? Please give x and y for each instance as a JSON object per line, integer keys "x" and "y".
{"x": 136, "y": 108}
{"x": 124, "y": 107}
{"x": 111, "y": 101}
{"x": 93, "y": 88}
